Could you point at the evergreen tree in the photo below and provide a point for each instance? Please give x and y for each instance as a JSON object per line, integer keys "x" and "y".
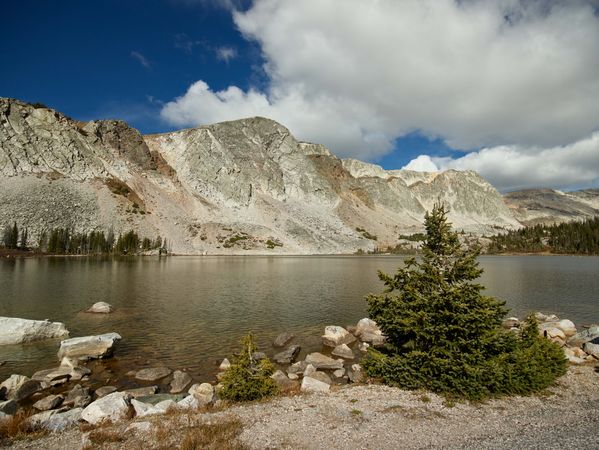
{"x": 24, "y": 237}
{"x": 444, "y": 335}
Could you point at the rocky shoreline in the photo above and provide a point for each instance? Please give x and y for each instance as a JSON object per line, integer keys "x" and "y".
{"x": 72, "y": 394}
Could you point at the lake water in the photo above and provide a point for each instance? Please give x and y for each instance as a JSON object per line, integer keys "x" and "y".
{"x": 189, "y": 312}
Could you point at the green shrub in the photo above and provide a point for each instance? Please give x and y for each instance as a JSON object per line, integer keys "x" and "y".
{"x": 445, "y": 336}
{"x": 247, "y": 379}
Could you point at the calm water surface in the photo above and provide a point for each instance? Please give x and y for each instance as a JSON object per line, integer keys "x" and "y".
{"x": 188, "y": 312}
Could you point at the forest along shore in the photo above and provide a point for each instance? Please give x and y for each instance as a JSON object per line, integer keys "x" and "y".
{"x": 72, "y": 395}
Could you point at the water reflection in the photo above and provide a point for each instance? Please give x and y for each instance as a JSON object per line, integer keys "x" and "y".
{"x": 189, "y": 311}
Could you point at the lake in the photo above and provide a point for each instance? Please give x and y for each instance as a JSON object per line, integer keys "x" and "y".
{"x": 190, "y": 312}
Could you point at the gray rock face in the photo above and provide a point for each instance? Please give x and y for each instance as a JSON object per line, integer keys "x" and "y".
{"x": 288, "y": 355}
{"x": 89, "y": 347}
{"x": 320, "y": 361}
{"x": 113, "y": 407}
{"x": 251, "y": 175}
{"x": 17, "y": 331}
{"x": 153, "y": 374}
{"x": 56, "y": 420}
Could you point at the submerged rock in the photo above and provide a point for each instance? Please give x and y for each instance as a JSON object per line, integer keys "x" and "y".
{"x": 288, "y": 355}
{"x": 283, "y": 339}
{"x": 153, "y": 374}
{"x": 89, "y": 347}
{"x": 142, "y": 391}
{"x": 17, "y": 331}
{"x": 100, "y": 308}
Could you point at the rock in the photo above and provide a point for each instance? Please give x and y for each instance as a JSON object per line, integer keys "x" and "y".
{"x": 89, "y": 347}
{"x": 181, "y": 381}
{"x": 297, "y": 367}
{"x": 20, "y": 387}
{"x": 553, "y": 333}
{"x": 56, "y": 420}
{"x": 546, "y": 318}
{"x": 189, "y": 402}
{"x": 259, "y": 356}
{"x": 320, "y": 361}
{"x": 104, "y": 391}
{"x": 321, "y": 376}
{"x": 142, "y": 391}
{"x": 139, "y": 427}
{"x": 565, "y": 325}
{"x": 8, "y": 407}
{"x": 343, "y": 351}
{"x": 313, "y": 385}
{"x": 511, "y": 322}
{"x": 100, "y": 308}
{"x": 224, "y": 365}
{"x": 49, "y": 402}
{"x": 146, "y": 409}
{"x": 283, "y": 382}
{"x": 339, "y": 373}
{"x": 203, "y": 393}
{"x": 592, "y": 347}
{"x": 584, "y": 336}
{"x": 61, "y": 375}
{"x": 335, "y": 335}
{"x": 154, "y": 399}
{"x": 113, "y": 407}
{"x": 288, "y": 355}
{"x": 283, "y": 339}
{"x": 18, "y": 331}
{"x": 292, "y": 376}
{"x": 356, "y": 374}
{"x": 310, "y": 369}
{"x": 78, "y": 397}
{"x": 364, "y": 346}
{"x": 153, "y": 374}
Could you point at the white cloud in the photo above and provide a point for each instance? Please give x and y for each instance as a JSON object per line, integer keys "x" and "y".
{"x": 357, "y": 74}
{"x": 226, "y": 54}
{"x": 517, "y": 167}
{"x": 141, "y": 59}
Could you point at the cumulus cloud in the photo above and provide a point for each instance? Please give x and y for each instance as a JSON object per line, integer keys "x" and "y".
{"x": 511, "y": 167}
{"x": 226, "y": 54}
{"x": 357, "y": 74}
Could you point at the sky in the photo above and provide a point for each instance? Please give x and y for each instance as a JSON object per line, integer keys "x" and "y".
{"x": 509, "y": 88}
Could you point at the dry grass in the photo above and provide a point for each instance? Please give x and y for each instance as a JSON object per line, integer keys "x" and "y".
{"x": 222, "y": 435}
{"x": 101, "y": 436}
{"x": 17, "y": 427}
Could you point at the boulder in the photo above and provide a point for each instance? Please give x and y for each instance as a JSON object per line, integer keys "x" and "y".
{"x": 17, "y": 331}
{"x": 104, "y": 391}
{"x": 553, "y": 333}
{"x": 20, "y": 387}
{"x": 583, "y": 336}
{"x": 78, "y": 397}
{"x": 310, "y": 369}
{"x": 283, "y": 339}
{"x": 153, "y": 374}
{"x": 61, "y": 375}
{"x": 339, "y": 373}
{"x": 283, "y": 382}
{"x": 546, "y": 318}
{"x": 8, "y": 407}
{"x": 297, "y": 367}
{"x": 320, "y": 361}
{"x": 154, "y": 399}
{"x": 565, "y": 325}
{"x": 224, "y": 365}
{"x": 343, "y": 351}
{"x": 56, "y": 420}
{"x": 313, "y": 385}
{"x": 113, "y": 407}
{"x": 181, "y": 381}
{"x": 89, "y": 347}
{"x": 592, "y": 347}
{"x": 288, "y": 355}
{"x": 203, "y": 393}
{"x": 511, "y": 322}
{"x": 292, "y": 376}
{"x": 49, "y": 402}
{"x": 100, "y": 308}
{"x": 321, "y": 376}
{"x": 147, "y": 409}
{"x": 142, "y": 391}
{"x": 335, "y": 335}
{"x": 356, "y": 373}
{"x": 364, "y": 346}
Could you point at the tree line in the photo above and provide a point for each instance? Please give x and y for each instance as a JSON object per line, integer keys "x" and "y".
{"x": 66, "y": 241}
{"x": 571, "y": 238}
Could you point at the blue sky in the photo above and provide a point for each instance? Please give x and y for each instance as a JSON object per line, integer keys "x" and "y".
{"x": 460, "y": 84}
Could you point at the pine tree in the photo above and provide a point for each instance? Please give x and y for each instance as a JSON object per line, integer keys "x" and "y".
{"x": 442, "y": 333}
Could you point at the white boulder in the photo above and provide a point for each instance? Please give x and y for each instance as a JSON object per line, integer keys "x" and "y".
{"x": 17, "y": 331}
{"x": 310, "y": 384}
{"x": 113, "y": 407}
{"x": 100, "y": 308}
{"x": 89, "y": 347}
{"x": 335, "y": 335}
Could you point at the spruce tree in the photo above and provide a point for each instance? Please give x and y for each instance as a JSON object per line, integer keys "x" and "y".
{"x": 442, "y": 333}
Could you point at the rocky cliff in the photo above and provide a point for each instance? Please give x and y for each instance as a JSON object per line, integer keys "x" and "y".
{"x": 246, "y": 186}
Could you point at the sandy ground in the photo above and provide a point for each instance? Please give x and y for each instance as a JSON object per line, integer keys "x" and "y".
{"x": 380, "y": 417}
